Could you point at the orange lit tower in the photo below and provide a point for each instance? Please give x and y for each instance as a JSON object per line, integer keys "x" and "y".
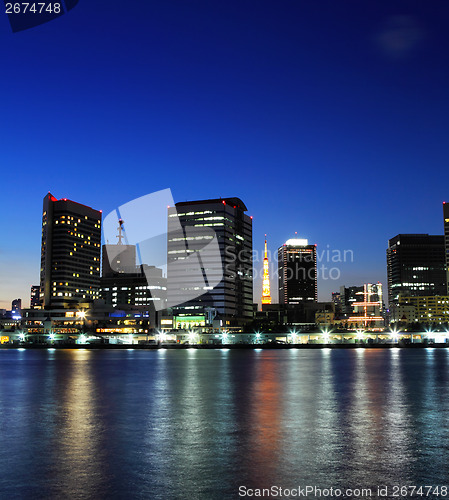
{"x": 266, "y": 297}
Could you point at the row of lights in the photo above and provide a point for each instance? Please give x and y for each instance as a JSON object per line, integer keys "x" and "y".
{"x": 294, "y": 336}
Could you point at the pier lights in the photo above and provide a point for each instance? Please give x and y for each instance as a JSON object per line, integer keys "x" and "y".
{"x": 160, "y": 336}
{"x": 52, "y": 337}
{"x": 257, "y": 337}
{"x": 294, "y": 336}
{"x": 360, "y": 334}
{"x": 130, "y": 338}
{"x": 394, "y": 334}
{"x": 440, "y": 337}
{"x": 193, "y": 337}
{"x": 225, "y": 338}
{"x": 430, "y": 334}
{"x": 82, "y": 316}
{"x": 82, "y": 339}
{"x": 326, "y": 335}
{"x": 22, "y": 337}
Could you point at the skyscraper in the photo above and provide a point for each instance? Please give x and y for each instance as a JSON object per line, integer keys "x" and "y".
{"x": 446, "y": 242}
{"x": 297, "y": 273}
{"x": 209, "y": 262}
{"x": 266, "y": 294}
{"x": 70, "y": 252}
{"x": 416, "y": 266}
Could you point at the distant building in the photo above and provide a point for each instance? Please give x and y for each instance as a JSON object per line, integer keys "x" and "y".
{"x": 349, "y": 295}
{"x": 367, "y": 309}
{"x": 193, "y": 227}
{"x": 426, "y": 309}
{"x": 402, "y": 313}
{"x": 416, "y": 266}
{"x": 144, "y": 287}
{"x": 336, "y": 299}
{"x": 297, "y": 273}
{"x": 446, "y": 242}
{"x": 118, "y": 258}
{"x": 16, "y": 307}
{"x": 70, "y": 254}
{"x": 34, "y": 297}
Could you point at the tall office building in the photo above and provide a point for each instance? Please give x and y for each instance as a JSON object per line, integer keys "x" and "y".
{"x": 416, "y": 266}
{"x": 446, "y": 242}
{"x": 297, "y": 273}
{"x": 70, "y": 252}
{"x": 209, "y": 265}
{"x": 34, "y": 297}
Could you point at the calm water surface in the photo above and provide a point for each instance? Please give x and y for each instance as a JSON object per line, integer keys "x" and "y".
{"x": 199, "y": 424}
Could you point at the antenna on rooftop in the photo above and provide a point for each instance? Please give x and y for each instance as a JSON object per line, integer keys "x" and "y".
{"x": 120, "y": 232}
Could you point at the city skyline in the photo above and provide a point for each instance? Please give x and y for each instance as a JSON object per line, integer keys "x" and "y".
{"x": 337, "y": 113}
{"x": 331, "y": 259}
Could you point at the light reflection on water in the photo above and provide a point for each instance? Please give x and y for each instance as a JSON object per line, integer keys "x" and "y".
{"x": 198, "y": 424}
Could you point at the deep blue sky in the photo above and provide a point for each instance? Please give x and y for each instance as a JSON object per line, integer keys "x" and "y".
{"x": 327, "y": 118}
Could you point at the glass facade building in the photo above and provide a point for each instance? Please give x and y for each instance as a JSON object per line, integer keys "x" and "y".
{"x": 416, "y": 266}
{"x": 209, "y": 262}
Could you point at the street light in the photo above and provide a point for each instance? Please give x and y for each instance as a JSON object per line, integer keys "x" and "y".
{"x": 82, "y": 316}
{"x": 325, "y": 333}
{"x": 294, "y": 336}
{"x": 394, "y": 334}
{"x": 193, "y": 337}
{"x": 359, "y": 334}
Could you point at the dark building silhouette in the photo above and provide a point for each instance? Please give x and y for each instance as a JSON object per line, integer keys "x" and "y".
{"x": 349, "y": 295}
{"x": 34, "y": 297}
{"x": 297, "y": 274}
{"x": 416, "y": 266}
{"x": 70, "y": 252}
{"x": 16, "y": 306}
{"x": 446, "y": 242}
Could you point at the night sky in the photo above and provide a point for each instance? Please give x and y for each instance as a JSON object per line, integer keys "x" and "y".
{"x": 329, "y": 118}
